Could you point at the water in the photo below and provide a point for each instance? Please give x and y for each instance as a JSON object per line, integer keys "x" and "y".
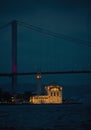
{"x": 45, "y": 117}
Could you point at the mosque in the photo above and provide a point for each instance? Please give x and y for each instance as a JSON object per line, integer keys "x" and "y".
{"x": 53, "y": 94}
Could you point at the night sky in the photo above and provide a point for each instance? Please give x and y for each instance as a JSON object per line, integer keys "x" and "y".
{"x": 39, "y": 51}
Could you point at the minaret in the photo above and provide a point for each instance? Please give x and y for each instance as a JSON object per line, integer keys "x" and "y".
{"x": 38, "y": 77}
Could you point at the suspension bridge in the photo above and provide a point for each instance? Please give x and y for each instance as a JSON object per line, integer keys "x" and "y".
{"x": 14, "y": 28}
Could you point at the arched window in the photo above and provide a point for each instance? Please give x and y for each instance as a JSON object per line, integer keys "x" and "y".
{"x": 51, "y": 93}
{"x": 57, "y": 93}
{"x": 54, "y": 94}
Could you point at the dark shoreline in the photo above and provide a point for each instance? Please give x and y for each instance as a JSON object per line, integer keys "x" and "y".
{"x": 38, "y": 104}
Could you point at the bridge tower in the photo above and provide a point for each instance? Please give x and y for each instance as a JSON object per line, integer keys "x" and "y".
{"x": 14, "y": 54}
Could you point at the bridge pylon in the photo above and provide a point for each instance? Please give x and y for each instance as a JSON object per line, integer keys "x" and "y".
{"x": 14, "y": 54}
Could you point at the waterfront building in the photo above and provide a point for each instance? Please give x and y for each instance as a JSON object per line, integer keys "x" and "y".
{"x": 53, "y": 95}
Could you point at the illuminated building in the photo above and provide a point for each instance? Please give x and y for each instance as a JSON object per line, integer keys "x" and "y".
{"x": 53, "y": 96}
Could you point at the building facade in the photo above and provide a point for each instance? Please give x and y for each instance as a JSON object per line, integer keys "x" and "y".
{"x": 53, "y": 96}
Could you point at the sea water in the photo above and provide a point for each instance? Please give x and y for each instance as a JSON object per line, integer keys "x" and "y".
{"x": 45, "y": 117}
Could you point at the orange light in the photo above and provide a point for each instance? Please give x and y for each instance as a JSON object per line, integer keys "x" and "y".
{"x": 39, "y": 76}
{"x": 48, "y": 87}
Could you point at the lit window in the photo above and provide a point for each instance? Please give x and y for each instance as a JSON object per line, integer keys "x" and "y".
{"x": 57, "y": 93}
{"x": 54, "y": 94}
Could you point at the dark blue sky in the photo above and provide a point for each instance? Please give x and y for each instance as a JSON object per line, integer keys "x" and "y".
{"x": 36, "y": 50}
